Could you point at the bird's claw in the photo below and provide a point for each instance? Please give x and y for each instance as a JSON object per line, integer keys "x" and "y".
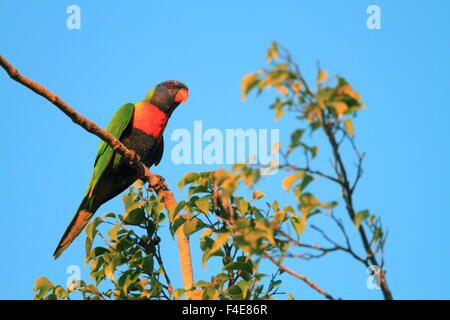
{"x": 155, "y": 186}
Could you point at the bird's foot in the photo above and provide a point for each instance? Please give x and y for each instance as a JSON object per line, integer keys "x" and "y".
{"x": 156, "y": 184}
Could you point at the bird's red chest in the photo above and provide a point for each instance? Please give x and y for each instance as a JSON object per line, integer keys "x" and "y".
{"x": 149, "y": 119}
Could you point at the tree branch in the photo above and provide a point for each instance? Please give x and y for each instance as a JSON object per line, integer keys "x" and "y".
{"x": 347, "y": 194}
{"x": 88, "y": 125}
{"x": 299, "y": 276}
{"x": 155, "y": 182}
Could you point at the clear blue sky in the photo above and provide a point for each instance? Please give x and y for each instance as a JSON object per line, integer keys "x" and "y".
{"x": 126, "y": 47}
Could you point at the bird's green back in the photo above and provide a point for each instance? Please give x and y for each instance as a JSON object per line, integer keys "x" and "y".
{"x": 116, "y": 127}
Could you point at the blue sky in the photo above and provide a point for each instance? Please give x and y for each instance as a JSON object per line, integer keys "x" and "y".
{"x": 126, "y": 47}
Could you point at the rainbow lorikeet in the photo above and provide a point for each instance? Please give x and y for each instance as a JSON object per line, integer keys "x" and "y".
{"x": 139, "y": 127}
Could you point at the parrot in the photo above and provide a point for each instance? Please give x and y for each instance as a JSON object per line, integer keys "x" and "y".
{"x": 140, "y": 128}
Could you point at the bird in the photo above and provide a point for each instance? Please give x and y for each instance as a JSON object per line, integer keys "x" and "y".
{"x": 140, "y": 128}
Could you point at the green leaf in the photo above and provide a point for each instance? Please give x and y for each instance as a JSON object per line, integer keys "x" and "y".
{"x": 60, "y": 292}
{"x": 176, "y": 224}
{"x": 377, "y": 234}
{"x": 360, "y": 216}
{"x": 299, "y": 224}
{"x": 206, "y": 233}
{"x": 147, "y": 264}
{"x": 248, "y": 82}
{"x": 242, "y": 205}
{"x": 202, "y": 284}
{"x": 234, "y": 290}
{"x": 192, "y": 225}
{"x": 315, "y": 125}
{"x": 240, "y": 265}
{"x": 306, "y": 180}
{"x": 175, "y": 210}
{"x": 275, "y": 206}
{"x": 203, "y": 204}
{"x": 112, "y": 233}
{"x": 88, "y": 246}
{"x": 42, "y": 283}
{"x": 221, "y": 175}
{"x": 321, "y": 75}
{"x": 340, "y": 107}
{"x": 187, "y": 179}
{"x": 91, "y": 228}
{"x": 220, "y": 240}
{"x": 130, "y": 203}
{"x": 296, "y": 137}
{"x": 206, "y": 242}
{"x": 197, "y": 189}
{"x": 98, "y": 251}
{"x": 109, "y": 271}
{"x": 258, "y": 195}
{"x": 279, "y": 113}
{"x": 289, "y": 180}
{"x": 108, "y": 215}
{"x": 348, "y": 124}
{"x": 135, "y": 217}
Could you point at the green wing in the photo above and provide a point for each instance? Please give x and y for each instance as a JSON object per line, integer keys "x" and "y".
{"x": 116, "y": 127}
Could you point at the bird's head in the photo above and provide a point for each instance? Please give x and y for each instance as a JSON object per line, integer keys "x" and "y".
{"x": 168, "y": 95}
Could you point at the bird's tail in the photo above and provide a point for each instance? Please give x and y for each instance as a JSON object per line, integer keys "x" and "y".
{"x": 79, "y": 221}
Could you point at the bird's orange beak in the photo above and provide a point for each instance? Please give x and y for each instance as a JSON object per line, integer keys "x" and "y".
{"x": 182, "y": 95}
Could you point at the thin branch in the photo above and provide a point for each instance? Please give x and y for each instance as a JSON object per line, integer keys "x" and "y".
{"x": 113, "y": 142}
{"x": 290, "y": 60}
{"x": 299, "y": 276}
{"x": 347, "y": 249}
{"x": 307, "y": 255}
{"x": 293, "y": 167}
{"x": 347, "y": 193}
{"x": 310, "y": 256}
{"x": 157, "y": 254}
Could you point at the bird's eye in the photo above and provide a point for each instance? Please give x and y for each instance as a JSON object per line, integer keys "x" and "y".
{"x": 170, "y": 85}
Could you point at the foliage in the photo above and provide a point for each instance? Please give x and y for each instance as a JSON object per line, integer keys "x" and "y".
{"x": 130, "y": 259}
{"x": 329, "y": 110}
{"x": 242, "y": 231}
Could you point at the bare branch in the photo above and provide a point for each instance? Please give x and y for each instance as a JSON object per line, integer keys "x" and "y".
{"x": 299, "y": 276}
{"x": 293, "y": 167}
{"x": 88, "y": 125}
{"x": 347, "y": 194}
